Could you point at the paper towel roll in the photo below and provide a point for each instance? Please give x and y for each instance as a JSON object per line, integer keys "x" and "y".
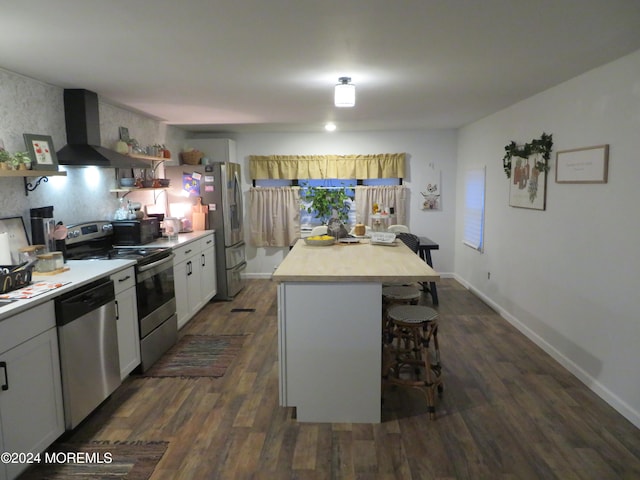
{"x": 5, "y": 250}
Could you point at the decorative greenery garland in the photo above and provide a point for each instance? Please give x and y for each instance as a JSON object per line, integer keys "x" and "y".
{"x": 540, "y": 146}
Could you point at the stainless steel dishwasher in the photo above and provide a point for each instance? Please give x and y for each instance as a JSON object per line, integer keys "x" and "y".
{"x": 88, "y": 340}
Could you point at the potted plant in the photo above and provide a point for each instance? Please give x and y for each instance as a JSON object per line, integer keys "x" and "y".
{"x": 327, "y": 202}
{"x": 5, "y": 160}
{"x": 23, "y": 160}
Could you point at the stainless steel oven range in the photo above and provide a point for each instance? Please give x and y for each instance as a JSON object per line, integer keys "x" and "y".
{"x": 157, "y": 320}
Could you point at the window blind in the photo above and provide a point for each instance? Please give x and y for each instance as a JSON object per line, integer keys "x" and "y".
{"x": 474, "y": 188}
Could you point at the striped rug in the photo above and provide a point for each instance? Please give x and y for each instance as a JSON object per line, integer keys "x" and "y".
{"x": 198, "y": 356}
{"x": 132, "y": 460}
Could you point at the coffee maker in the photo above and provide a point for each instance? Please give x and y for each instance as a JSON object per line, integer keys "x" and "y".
{"x": 42, "y": 228}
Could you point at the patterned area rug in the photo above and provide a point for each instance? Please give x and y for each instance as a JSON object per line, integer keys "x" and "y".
{"x": 198, "y": 356}
{"x": 98, "y": 460}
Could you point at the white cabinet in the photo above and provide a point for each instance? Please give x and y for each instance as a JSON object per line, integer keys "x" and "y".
{"x": 124, "y": 283}
{"x": 31, "y": 410}
{"x": 208, "y": 262}
{"x": 187, "y": 282}
{"x": 195, "y": 277}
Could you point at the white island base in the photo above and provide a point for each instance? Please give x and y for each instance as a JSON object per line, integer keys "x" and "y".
{"x": 329, "y": 341}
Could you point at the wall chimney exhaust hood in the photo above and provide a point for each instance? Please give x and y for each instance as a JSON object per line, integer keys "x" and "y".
{"x": 83, "y": 135}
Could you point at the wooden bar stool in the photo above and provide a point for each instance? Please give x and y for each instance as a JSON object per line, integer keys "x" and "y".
{"x": 411, "y": 354}
{"x": 394, "y": 295}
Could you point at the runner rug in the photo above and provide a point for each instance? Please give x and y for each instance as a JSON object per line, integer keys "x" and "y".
{"x": 98, "y": 460}
{"x": 198, "y": 356}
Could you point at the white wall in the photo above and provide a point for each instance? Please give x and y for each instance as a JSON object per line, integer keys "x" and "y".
{"x": 427, "y": 150}
{"x": 568, "y": 276}
{"x": 30, "y": 106}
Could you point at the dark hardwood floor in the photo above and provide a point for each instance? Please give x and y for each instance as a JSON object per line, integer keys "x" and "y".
{"x": 509, "y": 411}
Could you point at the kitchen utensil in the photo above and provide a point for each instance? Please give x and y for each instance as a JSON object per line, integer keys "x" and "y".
{"x": 198, "y": 215}
{"x": 60, "y": 232}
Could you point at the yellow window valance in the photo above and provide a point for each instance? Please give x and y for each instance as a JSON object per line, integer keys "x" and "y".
{"x": 290, "y": 167}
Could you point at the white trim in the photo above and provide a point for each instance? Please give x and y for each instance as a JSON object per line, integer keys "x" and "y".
{"x": 591, "y": 382}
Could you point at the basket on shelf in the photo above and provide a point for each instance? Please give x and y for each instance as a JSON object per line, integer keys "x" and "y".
{"x": 191, "y": 157}
{"x": 19, "y": 276}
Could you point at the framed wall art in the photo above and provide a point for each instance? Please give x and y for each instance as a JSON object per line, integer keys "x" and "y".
{"x": 583, "y": 165}
{"x": 527, "y": 185}
{"x": 41, "y": 151}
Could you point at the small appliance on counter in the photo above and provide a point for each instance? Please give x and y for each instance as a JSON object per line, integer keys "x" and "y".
{"x": 45, "y": 231}
{"x": 135, "y": 232}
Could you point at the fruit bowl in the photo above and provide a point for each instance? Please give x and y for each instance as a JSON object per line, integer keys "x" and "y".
{"x": 320, "y": 240}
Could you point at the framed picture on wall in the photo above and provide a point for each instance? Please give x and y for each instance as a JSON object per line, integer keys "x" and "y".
{"x": 583, "y": 165}
{"x": 528, "y": 185}
{"x": 41, "y": 151}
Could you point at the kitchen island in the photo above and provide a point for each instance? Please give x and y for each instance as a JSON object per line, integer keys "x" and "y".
{"x": 330, "y": 327}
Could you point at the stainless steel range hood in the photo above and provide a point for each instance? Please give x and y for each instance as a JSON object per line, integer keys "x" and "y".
{"x": 83, "y": 135}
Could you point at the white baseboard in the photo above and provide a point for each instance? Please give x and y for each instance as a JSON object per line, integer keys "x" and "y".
{"x": 607, "y": 395}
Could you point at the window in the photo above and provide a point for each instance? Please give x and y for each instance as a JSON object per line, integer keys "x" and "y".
{"x": 474, "y": 190}
{"x": 307, "y": 218}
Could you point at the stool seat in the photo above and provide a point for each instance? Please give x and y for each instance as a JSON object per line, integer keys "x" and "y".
{"x": 400, "y": 293}
{"x": 411, "y": 314}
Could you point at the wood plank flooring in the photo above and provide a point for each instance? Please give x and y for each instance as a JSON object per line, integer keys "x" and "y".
{"x": 508, "y": 411}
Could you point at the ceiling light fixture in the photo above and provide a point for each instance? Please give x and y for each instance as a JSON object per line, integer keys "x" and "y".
{"x": 345, "y": 93}
{"x": 330, "y": 127}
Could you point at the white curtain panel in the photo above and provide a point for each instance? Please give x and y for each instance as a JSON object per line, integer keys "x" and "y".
{"x": 391, "y": 196}
{"x": 274, "y": 216}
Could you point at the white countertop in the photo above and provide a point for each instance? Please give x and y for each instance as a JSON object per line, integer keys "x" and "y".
{"x": 182, "y": 239}
{"x": 80, "y": 273}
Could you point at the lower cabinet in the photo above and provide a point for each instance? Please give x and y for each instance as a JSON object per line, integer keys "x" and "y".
{"x": 195, "y": 277}
{"x": 31, "y": 410}
{"x": 209, "y": 275}
{"x": 124, "y": 283}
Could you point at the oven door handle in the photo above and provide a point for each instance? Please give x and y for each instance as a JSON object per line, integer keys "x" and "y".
{"x": 150, "y": 266}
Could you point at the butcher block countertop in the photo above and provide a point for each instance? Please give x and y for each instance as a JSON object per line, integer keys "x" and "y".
{"x": 356, "y": 262}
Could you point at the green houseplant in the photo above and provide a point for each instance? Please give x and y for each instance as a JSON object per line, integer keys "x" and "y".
{"x": 5, "y": 160}
{"x": 22, "y": 158}
{"x": 326, "y": 201}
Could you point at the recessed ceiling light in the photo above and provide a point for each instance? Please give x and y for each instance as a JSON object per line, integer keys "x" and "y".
{"x": 330, "y": 127}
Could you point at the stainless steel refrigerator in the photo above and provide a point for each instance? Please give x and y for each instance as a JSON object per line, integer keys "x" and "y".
{"x": 218, "y": 185}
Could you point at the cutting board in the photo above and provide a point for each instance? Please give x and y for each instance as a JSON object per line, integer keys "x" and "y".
{"x": 198, "y": 214}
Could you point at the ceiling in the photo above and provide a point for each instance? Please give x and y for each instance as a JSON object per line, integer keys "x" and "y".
{"x": 270, "y": 65}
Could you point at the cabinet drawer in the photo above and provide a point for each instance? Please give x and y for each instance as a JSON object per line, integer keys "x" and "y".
{"x": 207, "y": 242}
{"x": 124, "y": 279}
{"x": 185, "y": 251}
{"x": 23, "y": 326}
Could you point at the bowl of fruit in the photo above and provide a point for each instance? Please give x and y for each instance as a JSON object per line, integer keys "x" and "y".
{"x": 320, "y": 240}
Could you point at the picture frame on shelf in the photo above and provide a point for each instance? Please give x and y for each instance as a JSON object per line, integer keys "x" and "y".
{"x": 124, "y": 134}
{"x": 583, "y": 165}
{"x": 42, "y": 152}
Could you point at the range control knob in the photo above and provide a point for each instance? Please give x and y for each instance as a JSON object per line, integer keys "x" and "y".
{"x": 107, "y": 227}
